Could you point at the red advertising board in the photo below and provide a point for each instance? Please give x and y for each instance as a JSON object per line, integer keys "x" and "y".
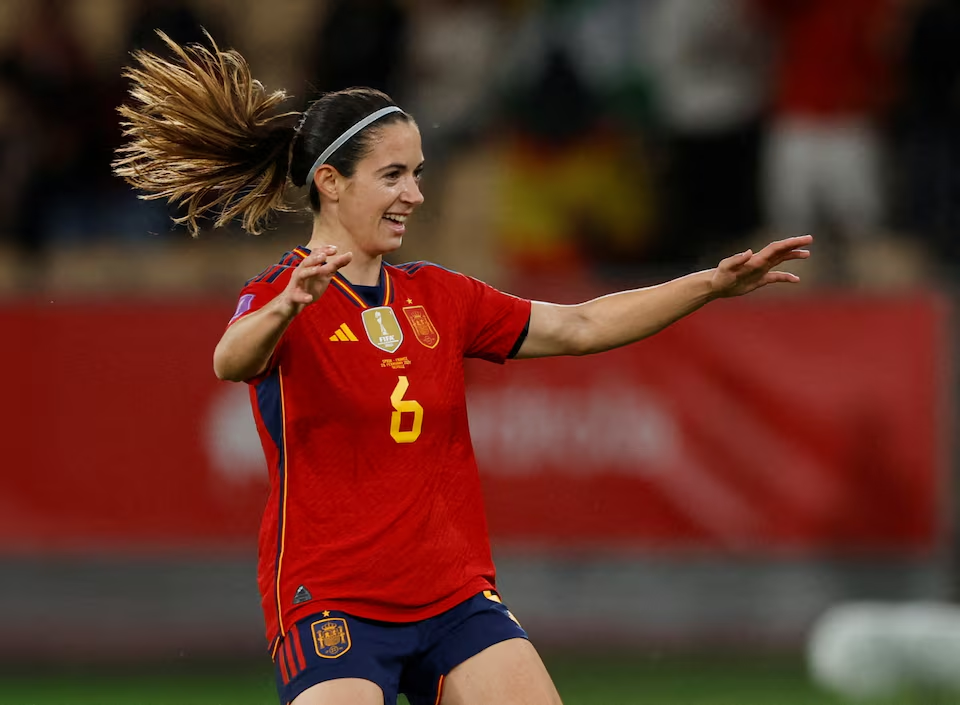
{"x": 764, "y": 426}
{"x": 786, "y": 426}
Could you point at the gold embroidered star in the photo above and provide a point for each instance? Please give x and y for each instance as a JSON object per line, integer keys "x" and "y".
{"x": 326, "y": 613}
{"x": 409, "y": 301}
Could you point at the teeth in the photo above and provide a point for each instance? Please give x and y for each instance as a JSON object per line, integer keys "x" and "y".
{"x": 396, "y": 218}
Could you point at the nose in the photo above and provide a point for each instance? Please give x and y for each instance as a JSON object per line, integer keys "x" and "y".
{"x": 412, "y": 194}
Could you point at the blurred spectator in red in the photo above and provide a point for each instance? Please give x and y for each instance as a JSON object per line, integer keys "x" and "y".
{"x": 360, "y": 43}
{"x": 710, "y": 89}
{"x": 929, "y": 128}
{"x": 822, "y": 164}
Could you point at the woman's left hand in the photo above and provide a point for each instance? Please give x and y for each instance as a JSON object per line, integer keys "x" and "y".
{"x": 742, "y": 273}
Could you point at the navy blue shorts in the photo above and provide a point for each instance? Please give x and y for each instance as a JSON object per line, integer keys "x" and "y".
{"x": 401, "y": 657}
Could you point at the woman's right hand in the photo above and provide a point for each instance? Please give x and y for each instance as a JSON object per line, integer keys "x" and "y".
{"x": 245, "y": 349}
{"x": 311, "y": 278}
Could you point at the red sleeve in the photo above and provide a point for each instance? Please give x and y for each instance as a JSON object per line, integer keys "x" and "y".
{"x": 260, "y": 291}
{"x": 256, "y": 294}
{"x": 495, "y": 321}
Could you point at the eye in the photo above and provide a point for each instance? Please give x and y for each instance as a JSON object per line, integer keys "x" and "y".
{"x": 392, "y": 175}
{"x": 418, "y": 173}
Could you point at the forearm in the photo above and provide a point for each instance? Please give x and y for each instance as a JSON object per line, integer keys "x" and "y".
{"x": 619, "y": 319}
{"x": 246, "y": 347}
{"x": 628, "y": 316}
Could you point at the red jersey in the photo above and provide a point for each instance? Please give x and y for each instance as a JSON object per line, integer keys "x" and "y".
{"x": 375, "y": 506}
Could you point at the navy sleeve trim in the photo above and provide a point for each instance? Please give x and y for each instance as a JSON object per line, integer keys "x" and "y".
{"x": 519, "y": 344}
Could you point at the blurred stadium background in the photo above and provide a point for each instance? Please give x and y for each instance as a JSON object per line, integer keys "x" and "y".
{"x": 669, "y": 520}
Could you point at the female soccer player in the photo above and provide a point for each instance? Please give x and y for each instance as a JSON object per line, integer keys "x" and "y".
{"x": 375, "y": 569}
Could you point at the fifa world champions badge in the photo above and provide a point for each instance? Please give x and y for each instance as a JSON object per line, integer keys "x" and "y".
{"x": 383, "y": 328}
{"x": 422, "y": 326}
{"x": 331, "y": 637}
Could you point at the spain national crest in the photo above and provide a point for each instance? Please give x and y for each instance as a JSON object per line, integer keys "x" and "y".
{"x": 422, "y": 325}
{"x": 331, "y": 638}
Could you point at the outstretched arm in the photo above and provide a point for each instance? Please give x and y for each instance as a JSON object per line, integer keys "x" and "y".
{"x": 628, "y": 316}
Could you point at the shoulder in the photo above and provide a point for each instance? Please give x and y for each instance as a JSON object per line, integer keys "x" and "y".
{"x": 276, "y": 275}
{"x": 434, "y": 274}
{"x": 422, "y": 269}
{"x": 434, "y": 277}
{"x": 457, "y": 289}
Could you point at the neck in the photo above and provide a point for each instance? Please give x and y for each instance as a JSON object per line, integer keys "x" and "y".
{"x": 364, "y": 269}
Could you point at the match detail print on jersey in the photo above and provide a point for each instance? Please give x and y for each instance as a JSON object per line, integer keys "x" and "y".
{"x": 422, "y": 326}
{"x": 383, "y": 328}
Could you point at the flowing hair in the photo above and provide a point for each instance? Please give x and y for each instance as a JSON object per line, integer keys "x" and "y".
{"x": 205, "y": 135}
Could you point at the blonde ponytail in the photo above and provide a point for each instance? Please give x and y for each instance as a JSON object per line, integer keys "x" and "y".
{"x": 204, "y": 134}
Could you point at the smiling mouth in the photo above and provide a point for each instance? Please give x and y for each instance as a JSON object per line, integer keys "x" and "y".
{"x": 396, "y": 218}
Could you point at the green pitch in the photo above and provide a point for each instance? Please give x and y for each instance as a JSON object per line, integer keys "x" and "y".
{"x": 593, "y": 680}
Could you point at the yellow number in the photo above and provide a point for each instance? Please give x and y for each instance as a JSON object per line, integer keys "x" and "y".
{"x": 401, "y": 405}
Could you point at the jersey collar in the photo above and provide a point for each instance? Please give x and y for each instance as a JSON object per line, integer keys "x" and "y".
{"x": 348, "y": 290}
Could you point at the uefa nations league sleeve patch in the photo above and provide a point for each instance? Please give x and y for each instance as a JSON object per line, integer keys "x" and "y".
{"x": 242, "y": 306}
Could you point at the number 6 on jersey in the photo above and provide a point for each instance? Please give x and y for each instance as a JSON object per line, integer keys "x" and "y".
{"x": 404, "y": 405}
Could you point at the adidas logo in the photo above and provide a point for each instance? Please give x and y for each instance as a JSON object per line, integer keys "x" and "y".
{"x": 302, "y": 595}
{"x": 343, "y": 335}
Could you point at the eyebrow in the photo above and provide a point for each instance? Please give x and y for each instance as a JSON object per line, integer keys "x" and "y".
{"x": 398, "y": 165}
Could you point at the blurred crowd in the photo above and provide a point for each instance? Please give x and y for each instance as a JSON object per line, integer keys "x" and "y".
{"x": 564, "y": 138}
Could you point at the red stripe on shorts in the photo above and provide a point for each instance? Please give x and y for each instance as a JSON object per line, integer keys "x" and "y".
{"x": 291, "y": 662}
{"x": 282, "y": 659}
{"x": 298, "y": 649}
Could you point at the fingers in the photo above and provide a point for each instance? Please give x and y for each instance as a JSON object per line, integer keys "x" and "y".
{"x": 790, "y": 243}
{"x": 779, "y": 248}
{"x": 797, "y": 241}
{"x": 781, "y": 251}
{"x": 328, "y": 267}
{"x": 775, "y": 277}
{"x": 308, "y": 272}
{"x": 323, "y": 261}
{"x": 319, "y": 256}
{"x": 310, "y": 278}
{"x": 340, "y": 260}
{"x": 736, "y": 261}
{"x": 788, "y": 248}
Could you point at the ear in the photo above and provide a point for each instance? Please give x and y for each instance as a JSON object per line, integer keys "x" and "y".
{"x": 327, "y": 180}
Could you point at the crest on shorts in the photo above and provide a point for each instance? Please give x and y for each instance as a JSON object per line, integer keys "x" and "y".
{"x": 331, "y": 638}
{"x": 422, "y": 325}
{"x": 383, "y": 328}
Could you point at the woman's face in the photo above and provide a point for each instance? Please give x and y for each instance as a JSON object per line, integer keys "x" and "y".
{"x": 384, "y": 190}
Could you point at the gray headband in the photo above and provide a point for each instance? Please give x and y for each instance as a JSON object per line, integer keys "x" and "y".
{"x": 339, "y": 142}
